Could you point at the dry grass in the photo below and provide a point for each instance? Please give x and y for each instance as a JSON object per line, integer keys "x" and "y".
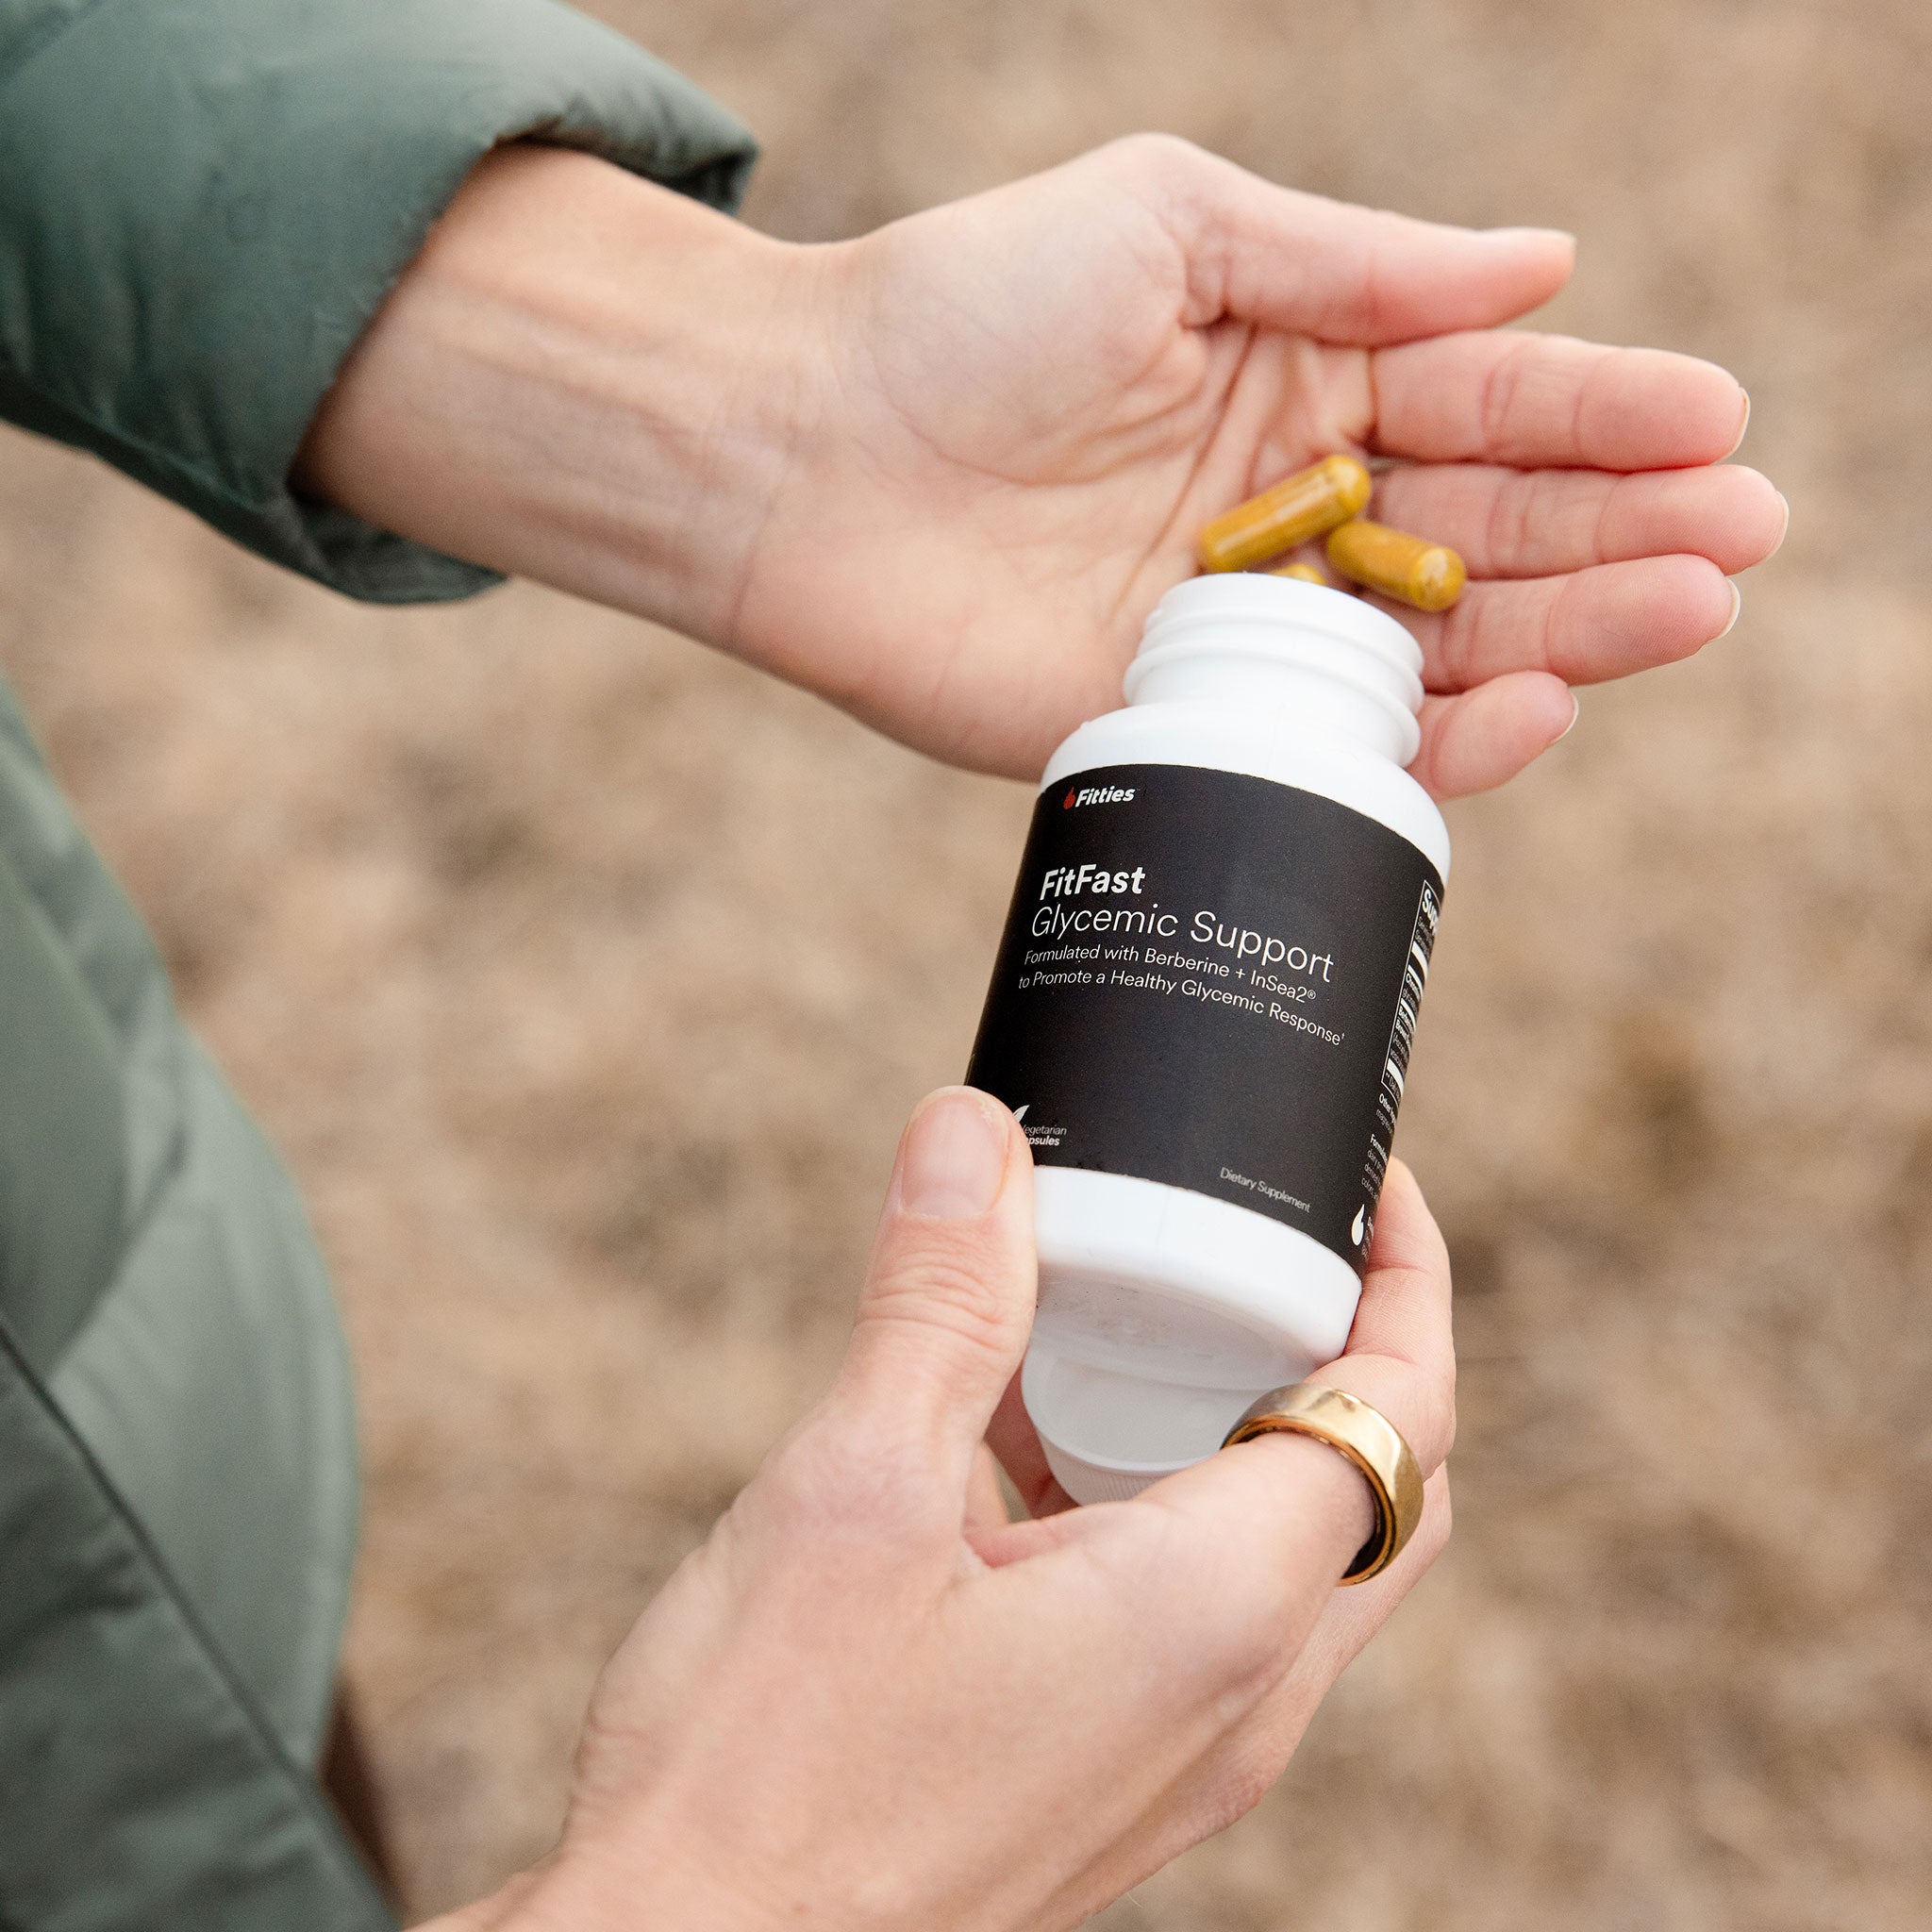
{"x": 586, "y": 981}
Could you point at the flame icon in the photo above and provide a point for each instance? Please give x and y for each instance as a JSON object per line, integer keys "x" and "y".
{"x": 1359, "y": 1226}
{"x": 1066, "y": 803}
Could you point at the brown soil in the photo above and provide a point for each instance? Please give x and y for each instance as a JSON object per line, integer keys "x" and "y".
{"x": 586, "y": 980}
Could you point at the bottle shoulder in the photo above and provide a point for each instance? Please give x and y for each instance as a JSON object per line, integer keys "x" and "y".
{"x": 1262, "y": 745}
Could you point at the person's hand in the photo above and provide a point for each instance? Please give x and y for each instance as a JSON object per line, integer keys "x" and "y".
{"x": 942, "y": 473}
{"x": 870, "y": 1703}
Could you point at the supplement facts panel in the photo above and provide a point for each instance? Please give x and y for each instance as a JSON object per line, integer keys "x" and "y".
{"x": 1213, "y": 980}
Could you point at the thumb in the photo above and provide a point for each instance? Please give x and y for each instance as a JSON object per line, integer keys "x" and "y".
{"x": 948, "y": 1298}
{"x": 1310, "y": 266}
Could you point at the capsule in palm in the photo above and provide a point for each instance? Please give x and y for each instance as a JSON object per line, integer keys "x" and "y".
{"x": 1303, "y": 574}
{"x": 1410, "y": 569}
{"x": 1298, "y": 508}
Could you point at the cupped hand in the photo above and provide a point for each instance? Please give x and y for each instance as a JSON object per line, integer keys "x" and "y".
{"x": 942, "y": 473}
{"x": 869, "y": 1701}
{"x": 1029, "y": 402}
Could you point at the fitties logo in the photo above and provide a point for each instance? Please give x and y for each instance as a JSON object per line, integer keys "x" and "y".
{"x": 1096, "y": 794}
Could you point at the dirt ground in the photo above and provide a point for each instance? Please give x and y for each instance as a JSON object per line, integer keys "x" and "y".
{"x": 586, "y": 980}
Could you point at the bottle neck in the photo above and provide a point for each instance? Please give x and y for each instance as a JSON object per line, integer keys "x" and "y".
{"x": 1312, "y": 659}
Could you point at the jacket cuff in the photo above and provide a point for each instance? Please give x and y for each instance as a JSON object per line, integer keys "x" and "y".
{"x": 203, "y": 202}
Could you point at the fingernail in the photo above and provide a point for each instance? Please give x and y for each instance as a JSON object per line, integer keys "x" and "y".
{"x": 1741, "y": 426}
{"x": 1784, "y": 528}
{"x": 1576, "y": 712}
{"x": 1737, "y": 604}
{"x": 955, "y": 1157}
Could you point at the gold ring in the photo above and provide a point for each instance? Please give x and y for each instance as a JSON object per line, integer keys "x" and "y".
{"x": 1370, "y": 1440}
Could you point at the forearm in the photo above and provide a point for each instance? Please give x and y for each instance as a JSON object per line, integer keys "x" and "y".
{"x": 583, "y": 379}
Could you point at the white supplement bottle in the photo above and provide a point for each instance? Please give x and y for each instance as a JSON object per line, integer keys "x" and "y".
{"x": 1202, "y": 1014}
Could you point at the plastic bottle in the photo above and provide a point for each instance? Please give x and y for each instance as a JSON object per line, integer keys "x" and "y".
{"x": 1201, "y": 1013}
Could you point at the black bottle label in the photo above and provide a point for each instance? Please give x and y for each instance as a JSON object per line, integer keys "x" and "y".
{"x": 1212, "y": 980}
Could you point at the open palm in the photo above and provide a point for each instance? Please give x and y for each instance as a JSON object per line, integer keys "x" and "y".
{"x": 1027, "y": 404}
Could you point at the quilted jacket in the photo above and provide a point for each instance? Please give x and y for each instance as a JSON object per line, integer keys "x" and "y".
{"x": 202, "y": 203}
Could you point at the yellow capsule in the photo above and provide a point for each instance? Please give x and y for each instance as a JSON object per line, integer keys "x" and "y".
{"x": 1296, "y": 509}
{"x": 1429, "y": 576}
{"x": 1303, "y": 574}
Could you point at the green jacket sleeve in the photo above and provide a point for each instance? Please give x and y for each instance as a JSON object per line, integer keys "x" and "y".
{"x": 203, "y": 202}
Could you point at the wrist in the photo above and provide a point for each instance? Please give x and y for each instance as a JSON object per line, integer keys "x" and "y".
{"x": 584, "y": 379}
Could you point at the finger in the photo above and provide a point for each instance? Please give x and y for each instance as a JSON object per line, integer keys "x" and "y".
{"x": 1482, "y": 739}
{"x": 1272, "y": 1523}
{"x": 1309, "y": 266}
{"x": 948, "y": 1298}
{"x": 1016, "y": 1443}
{"x": 1539, "y": 523}
{"x": 1401, "y": 1353}
{"x": 1586, "y": 627}
{"x": 1256, "y": 1752}
{"x": 1241, "y": 1551}
{"x": 1353, "y": 1616}
{"x": 1510, "y": 396}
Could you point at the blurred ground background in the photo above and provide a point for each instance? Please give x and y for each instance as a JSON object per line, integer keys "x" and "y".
{"x": 586, "y": 981}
